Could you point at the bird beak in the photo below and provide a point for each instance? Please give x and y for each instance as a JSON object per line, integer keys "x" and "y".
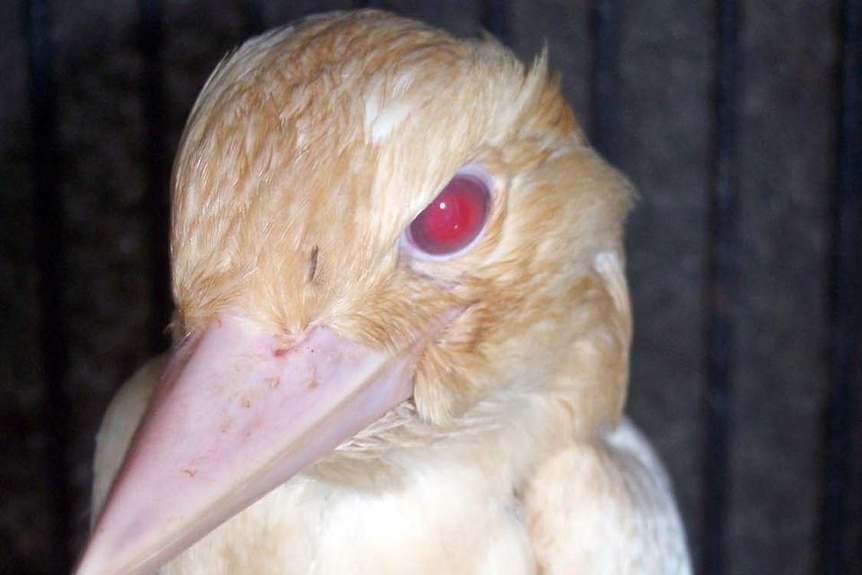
{"x": 237, "y": 412}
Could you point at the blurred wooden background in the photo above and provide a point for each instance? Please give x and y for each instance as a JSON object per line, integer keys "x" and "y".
{"x": 82, "y": 276}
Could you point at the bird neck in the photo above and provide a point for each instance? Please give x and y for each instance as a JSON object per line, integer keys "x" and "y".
{"x": 498, "y": 443}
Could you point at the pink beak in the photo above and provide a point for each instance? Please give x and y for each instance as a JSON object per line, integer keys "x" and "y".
{"x": 237, "y": 412}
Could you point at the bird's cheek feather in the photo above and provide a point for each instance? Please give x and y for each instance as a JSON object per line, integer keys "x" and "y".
{"x": 238, "y": 412}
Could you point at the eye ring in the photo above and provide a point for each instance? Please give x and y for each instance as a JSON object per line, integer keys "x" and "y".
{"x": 453, "y": 222}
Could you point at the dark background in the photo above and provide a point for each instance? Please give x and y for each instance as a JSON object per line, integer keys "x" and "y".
{"x": 89, "y": 119}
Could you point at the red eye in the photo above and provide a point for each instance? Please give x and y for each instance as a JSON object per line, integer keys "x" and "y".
{"x": 453, "y": 219}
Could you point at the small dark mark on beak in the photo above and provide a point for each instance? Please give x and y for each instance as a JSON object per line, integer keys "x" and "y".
{"x": 312, "y": 265}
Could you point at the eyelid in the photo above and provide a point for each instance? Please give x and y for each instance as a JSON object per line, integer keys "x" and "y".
{"x": 479, "y": 172}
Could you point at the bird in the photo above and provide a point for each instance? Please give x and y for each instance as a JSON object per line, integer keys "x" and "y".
{"x": 401, "y": 332}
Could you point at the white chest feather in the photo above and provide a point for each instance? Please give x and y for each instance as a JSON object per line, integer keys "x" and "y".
{"x": 440, "y": 522}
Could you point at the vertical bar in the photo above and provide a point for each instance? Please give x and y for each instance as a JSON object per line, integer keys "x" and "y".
{"x": 378, "y": 4}
{"x": 846, "y": 328}
{"x": 252, "y": 15}
{"x": 49, "y": 245}
{"x": 605, "y": 77}
{"x": 720, "y": 292}
{"x": 150, "y": 38}
{"x": 494, "y": 19}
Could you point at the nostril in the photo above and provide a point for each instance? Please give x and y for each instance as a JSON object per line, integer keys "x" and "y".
{"x": 286, "y": 343}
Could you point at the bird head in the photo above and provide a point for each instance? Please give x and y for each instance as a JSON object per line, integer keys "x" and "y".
{"x": 381, "y": 236}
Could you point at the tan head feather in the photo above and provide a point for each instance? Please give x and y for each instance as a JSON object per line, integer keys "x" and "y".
{"x": 312, "y": 148}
